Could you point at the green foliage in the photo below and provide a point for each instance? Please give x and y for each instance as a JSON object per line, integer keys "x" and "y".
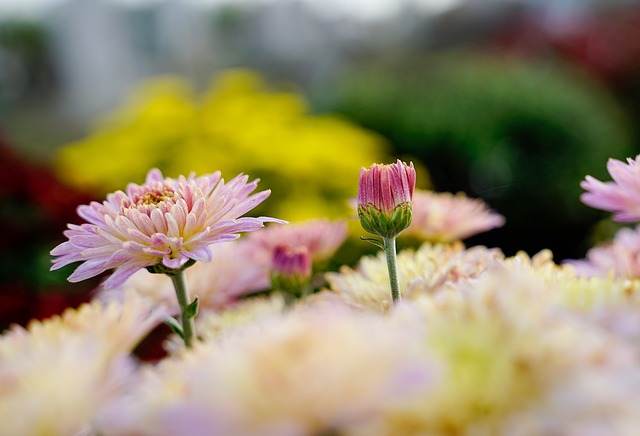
{"x": 520, "y": 134}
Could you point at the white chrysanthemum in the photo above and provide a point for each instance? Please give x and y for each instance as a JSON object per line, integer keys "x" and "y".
{"x": 307, "y": 372}
{"x": 510, "y": 352}
{"x": 431, "y": 268}
{"x": 56, "y": 374}
{"x": 569, "y": 288}
{"x": 215, "y": 325}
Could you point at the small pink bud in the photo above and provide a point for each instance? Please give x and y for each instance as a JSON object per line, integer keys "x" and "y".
{"x": 385, "y": 198}
{"x": 291, "y": 269}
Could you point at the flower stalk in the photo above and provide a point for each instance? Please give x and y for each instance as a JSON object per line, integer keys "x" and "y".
{"x": 188, "y": 308}
{"x": 392, "y": 266}
{"x": 385, "y": 206}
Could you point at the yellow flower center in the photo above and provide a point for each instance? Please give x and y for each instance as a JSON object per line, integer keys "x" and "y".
{"x": 156, "y": 196}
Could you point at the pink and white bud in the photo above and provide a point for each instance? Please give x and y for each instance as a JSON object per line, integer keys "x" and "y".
{"x": 385, "y": 198}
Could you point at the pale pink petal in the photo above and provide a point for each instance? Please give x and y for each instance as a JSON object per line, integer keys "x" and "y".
{"x": 88, "y": 269}
{"x": 444, "y": 217}
{"x": 622, "y": 196}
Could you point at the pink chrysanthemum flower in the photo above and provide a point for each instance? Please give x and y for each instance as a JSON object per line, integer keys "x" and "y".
{"x": 164, "y": 223}
{"x": 321, "y": 237}
{"x": 620, "y": 257}
{"x": 622, "y": 196}
{"x": 444, "y": 217}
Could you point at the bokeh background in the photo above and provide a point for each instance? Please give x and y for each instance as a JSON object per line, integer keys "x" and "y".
{"x": 510, "y": 101}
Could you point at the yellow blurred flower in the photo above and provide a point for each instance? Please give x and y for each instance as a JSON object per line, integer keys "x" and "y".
{"x": 238, "y": 126}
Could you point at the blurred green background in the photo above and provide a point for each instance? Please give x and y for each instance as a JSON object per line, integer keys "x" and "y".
{"x": 513, "y": 102}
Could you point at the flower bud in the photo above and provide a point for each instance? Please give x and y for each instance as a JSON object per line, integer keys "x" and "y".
{"x": 291, "y": 269}
{"x": 385, "y": 198}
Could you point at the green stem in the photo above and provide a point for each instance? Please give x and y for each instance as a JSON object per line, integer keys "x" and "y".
{"x": 392, "y": 266}
{"x": 188, "y": 325}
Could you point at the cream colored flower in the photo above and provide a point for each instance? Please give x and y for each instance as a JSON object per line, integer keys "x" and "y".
{"x": 310, "y": 371}
{"x": 56, "y": 374}
{"x": 569, "y": 288}
{"x": 431, "y": 268}
{"x": 517, "y": 362}
{"x": 215, "y": 325}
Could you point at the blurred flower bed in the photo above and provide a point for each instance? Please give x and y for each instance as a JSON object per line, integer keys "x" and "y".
{"x": 481, "y": 343}
{"x": 297, "y": 330}
{"x": 239, "y": 125}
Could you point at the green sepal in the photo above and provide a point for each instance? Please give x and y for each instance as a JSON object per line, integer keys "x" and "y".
{"x": 385, "y": 225}
{"x": 174, "y": 325}
{"x": 192, "y": 308}
{"x": 292, "y": 285}
{"x": 375, "y": 242}
{"x": 159, "y": 268}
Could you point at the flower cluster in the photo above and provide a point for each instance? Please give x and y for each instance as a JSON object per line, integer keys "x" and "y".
{"x": 482, "y": 343}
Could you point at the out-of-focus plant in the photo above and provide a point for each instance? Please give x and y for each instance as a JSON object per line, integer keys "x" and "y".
{"x": 500, "y": 129}
{"x": 238, "y": 125}
{"x": 603, "y": 41}
{"x": 34, "y": 209}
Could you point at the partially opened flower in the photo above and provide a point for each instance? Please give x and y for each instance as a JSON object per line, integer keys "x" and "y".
{"x": 444, "y": 217}
{"x": 162, "y": 225}
{"x": 622, "y": 196}
{"x": 385, "y": 194}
